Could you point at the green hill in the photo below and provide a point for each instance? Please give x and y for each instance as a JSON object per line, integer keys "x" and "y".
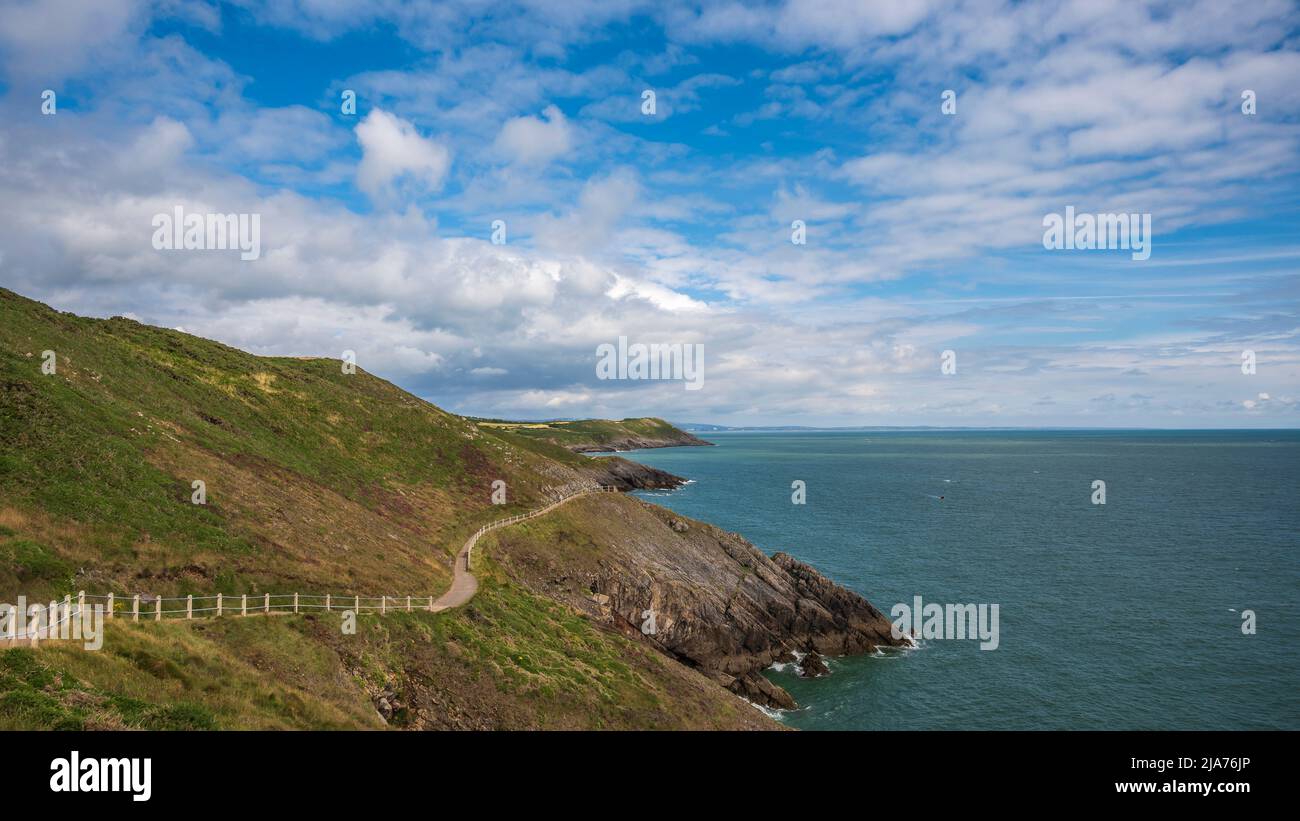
{"x": 316, "y": 480}
{"x": 599, "y": 435}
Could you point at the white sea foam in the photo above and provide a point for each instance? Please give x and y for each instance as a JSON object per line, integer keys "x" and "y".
{"x": 771, "y": 712}
{"x": 780, "y": 666}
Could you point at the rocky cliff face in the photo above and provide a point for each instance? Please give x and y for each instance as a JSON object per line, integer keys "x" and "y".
{"x": 705, "y": 596}
{"x": 625, "y": 475}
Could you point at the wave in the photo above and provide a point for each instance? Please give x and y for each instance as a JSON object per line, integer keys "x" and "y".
{"x": 780, "y": 666}
{"x": 774, "y": 713}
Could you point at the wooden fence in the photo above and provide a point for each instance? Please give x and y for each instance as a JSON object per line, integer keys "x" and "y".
{"x": 519, "y": 517}
{"x": 156, "y": 608}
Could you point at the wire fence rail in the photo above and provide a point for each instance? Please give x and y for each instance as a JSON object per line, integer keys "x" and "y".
{"x": 51, "y": 621}
{"x": 565, "y": 495}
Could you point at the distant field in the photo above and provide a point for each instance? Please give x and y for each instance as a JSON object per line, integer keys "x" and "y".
{"x": 599, "y": 434}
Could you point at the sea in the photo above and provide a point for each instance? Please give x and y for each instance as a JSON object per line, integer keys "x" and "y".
{"x": 1173, "y": 605}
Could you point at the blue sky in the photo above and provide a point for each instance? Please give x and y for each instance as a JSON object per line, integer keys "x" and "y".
{"x": 924, "y": 230}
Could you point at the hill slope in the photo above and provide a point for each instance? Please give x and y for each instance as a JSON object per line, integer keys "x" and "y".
{"x": 600, "y": 435}
{"x": 313, "y": 477}
{"x": 322, "y": 481}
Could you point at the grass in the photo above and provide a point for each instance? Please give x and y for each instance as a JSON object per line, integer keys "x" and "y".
{"x": 591, "y": 432}
{"x": 509, "y": 660}
{"x": 252, "y": 673}
{"x": 316, "y": 481}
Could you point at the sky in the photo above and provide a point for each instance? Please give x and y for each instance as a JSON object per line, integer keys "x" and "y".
{"x": 923, "y": 223}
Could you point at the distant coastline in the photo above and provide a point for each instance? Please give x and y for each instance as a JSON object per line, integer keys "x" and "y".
{"x": 599, "y": 435}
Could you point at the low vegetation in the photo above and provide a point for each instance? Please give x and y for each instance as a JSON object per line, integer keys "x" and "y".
{"x": 316, "y": 481}
{"x": 597, "y": 434}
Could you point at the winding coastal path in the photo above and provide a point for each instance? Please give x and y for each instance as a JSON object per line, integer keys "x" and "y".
{"x": 55, "y": 623}
{"x": 463, "y": 584}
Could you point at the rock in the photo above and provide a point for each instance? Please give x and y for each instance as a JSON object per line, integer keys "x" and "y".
{"x": 753, "y": 687}
{"x": 625, "y": 475}
{"x": 721, "y": 605}
{"x": 813, "y": 666}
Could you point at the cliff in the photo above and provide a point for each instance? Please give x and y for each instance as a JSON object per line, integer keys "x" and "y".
{"x": 720, "y": 604}
{"x": 322, "y": 481}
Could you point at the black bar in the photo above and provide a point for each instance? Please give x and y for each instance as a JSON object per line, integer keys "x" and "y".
{"x": 246, "y": 772}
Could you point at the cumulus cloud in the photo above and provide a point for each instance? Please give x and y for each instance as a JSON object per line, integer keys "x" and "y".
{"x": 533, "y": 141}
{"x": 923, "y": 230}
{"x": 591, "y": 224}
{"x": 394, "y": 153}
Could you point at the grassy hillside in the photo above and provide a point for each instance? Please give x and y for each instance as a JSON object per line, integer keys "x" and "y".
{"x": 316, "y": 481}
{"x": 598, "y": 434}
{"x": 511, "y": 660}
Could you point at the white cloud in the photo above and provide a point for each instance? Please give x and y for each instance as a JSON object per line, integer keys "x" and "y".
{"x": 534, "y": 141}
{"x": 393, "y": 153}
{"x": 592, "y": 223}
{"x": 652, "y": 238}
{"x": 665, "y": 299}
{"x": 50, "y": 39}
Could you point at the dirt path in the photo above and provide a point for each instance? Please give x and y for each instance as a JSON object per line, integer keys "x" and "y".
{"x": 463, "y": 587}
{"x": 463, "y": 584}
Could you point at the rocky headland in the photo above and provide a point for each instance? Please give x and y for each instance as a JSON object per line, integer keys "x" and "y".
{"x": 703, "y": 595}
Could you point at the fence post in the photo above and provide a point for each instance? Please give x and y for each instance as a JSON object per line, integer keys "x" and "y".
{"x": 431, "y": 604}
{"x": 157, "y": 609}
{"x": 189, "y": 606}
{"x": 81, "y": 601}
{"x": 67, "y": 606}
{"x": 408, "y": 604}
{"x": 356, "y": 605}
{"x": 327, "y": 601}
{"x": 266, "y": 604}
{"x": 110, "y": 605}
{"x": 243, "y": 604}
{"x": 218, "y": 604}
{"x": 383, "y": 605}
{"x": 135, "y": 608}
{"x": 295, "y": 602}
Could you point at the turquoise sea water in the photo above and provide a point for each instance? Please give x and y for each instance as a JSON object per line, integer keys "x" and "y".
{"x": 1115, "y": 616}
